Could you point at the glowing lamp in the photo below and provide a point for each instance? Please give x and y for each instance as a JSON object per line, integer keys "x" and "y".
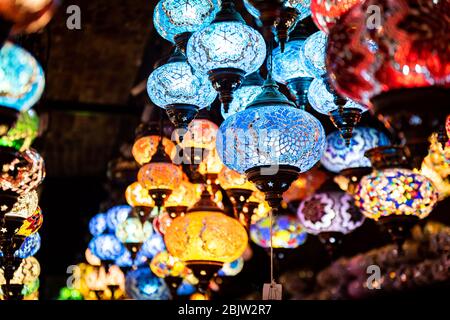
{"x": 271, "y": 141}
{"x": 227, "y": 50}
{"x": 326, "y": 13}
{"x": 142, "y": 284}
{"x": 182, "y": 197}
{"x": 231, "y": 269}
{"x": 306, "y": 184}
{"x": 141, "y": 201}
{"x": 98, "y": 224}
{"x": 164, "y": 265}
{"x": 153, "y": 245}
{"x": 25, "y": 206}
{"x": 23, "y": 133}
{"x": 29, "y": 247}
{"x": 69, "y": 294}
{"x": 176, "y": 20}
{"x": 28, "y": 271}
{"x": 145, "y": 147}
{"x": 287, "y": 231}
{"x": 314, "y": 54}
{"x": 106, "y": 247}
{"x": 133, "y": 231}
{"x": 116, "y": 215}
{"x": 179, "y": 90}
{"x": 91, "y": 258}
{"x": 31, "y": 224}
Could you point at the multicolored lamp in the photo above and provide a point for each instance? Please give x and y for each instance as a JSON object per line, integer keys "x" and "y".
{"x": 132, "y": 233}
{"x": 176, "y": 20}
{"x": 330, "y": 215}
{"x": 12, "y": 281}
{"x": 227, "y": 50}
{"x": 180, "y": 90}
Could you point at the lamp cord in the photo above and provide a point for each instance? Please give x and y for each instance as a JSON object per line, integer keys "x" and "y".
{"x": 271, "y": 247}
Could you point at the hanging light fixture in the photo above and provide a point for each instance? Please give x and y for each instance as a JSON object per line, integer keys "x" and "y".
{"x": 116, "y": 215}
{"x": 205, "y": 238}
{"x": 179, "y": 90}
{"x": 22, "y": 84}
{"x": 141, "y": 201}
{"x": 97, "y": 224}
{"x": 210, "y": 168}
{"x": 29, "y": 247}
{"x": 326, "y": 13}
{"x": 289, "y": 65}
{"x": 330, "y": 215}
{"x": 13, "y": 281}
{"x": 227, "y": 50}
{"x": 23, "y": 133}
{"x": 106, "y": 247}
{"x": 145, "y": 147}
{"x": 132, "y": 233}
{"x": 396, "y": 70}
{"x": 183, "y": 197}
{"x": 231, "y": 269}
{"x": 287, "y": 232}
{"x": 350, "y": 161}
{"x": 176, "y": 20}
{"x": 393, "y": 194}
{"x": 142, "y": 284}
{"x": 271, "y": 141}
{"x": 28, "y": 226}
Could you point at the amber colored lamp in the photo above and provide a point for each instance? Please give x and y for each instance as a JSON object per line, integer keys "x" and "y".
{"x": 201, "y": 134}
{"x": 137, "y": 196}
{"x": 28, "y": 271}
{"x": 230, "y": 179}
{"x": 211, "y": 164}
{"x": 145, "y": 147}
{"x": 183, "y": 195}
{"x": 165, "y": 265}
{"x": 306, "y": 184}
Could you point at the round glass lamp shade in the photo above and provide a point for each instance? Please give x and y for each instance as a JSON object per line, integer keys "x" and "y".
{"x": 31, "y": 224}
{"x": 145, "y": 147}
{"x": 23, "y": 133}
{"x": 241, "y": 98}
{"x": 338, "y": 156}
{"x": 97, "y": 224}
{"x": 164, "y": 265}
{"x": 175, "y": 83}
{"x": 302, "y": 7}
{"x": 172, "y": 18}
{"x": 152, "y": 245}
{"x": 29, "y": 247}
{"x": 183, "y": 195}
{"x": 395, "y": 192}
{"x": 230, "y": 179}
{"x": 287, "y": 232}
{"x": 91, "y": 258}
{"x": 26, "y": 205}
{"x": 201, "y": 134}
{"x": 206, "y": 236}
{"x": 106, "y": 247}
{"x": 314, "y": 53}
{"x": 329, "y": 212}
{"x": 323, "y": 101}
{"x": 326, "y": 13}
{"x": 126, "y": 261}
{"x": 137, "y": 196}
{"x": 133, "y": 230}
{"x": 22, "y": 79}
{"x": 116, "y": 215}
{"x": 290, "y": 64}
{"x": 363, "y": 64}
{"x": 142, "y": 284}
{"x": 160, "y": 175}
{"x": 270, "y": 135}
{"x": 227, "y": 44}
{"x": 28, "y": 271}
{"x": 232, "y": 269}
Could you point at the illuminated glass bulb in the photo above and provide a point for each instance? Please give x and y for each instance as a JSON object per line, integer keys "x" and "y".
{"x": 31, "y": 224}
{"x": 21, "y": 78}
{"x": 142, "y": 284}
{"x": 230, "y": 179}
{"x": 183, "y": 195}
{"x": 138, "y": 196}
{"x": 211, "y": 164}
{"x": 306, "y": 184}
{"x": 106, "y": 247}
{"x": 201, "y": 134}
{"x": 23, "y": 133}
{"x": 25, "y": 206}
{"x": 164, "y": 265}
{"x": 329, "y": 212}
{"x": 91, "y": 258}
{"x": 395, "y": 191}
{"x": 289, "y": 64}
{"x": 288, "y": 233}
{"x": 145, "y": 147}
{"x": 326, "y": 13}
{"x": 232, "y": 269}
{"x": 161, "y": 175}
{"x": 302, "y": 7}
{"x": 29, "y": 247}
{"x": 98, "y": 224}
{"x": 70, "y": 294}
{"x": 28, "y": 271}
{"x": 338, "y": 156}
{"x": 116, "y": 215}
{"x": 132, "y": 230}
{"x": 126, "y": 260}
{"x": 314, "y": 53}
{"x": 153, "y": 245}
{"x": 174, "y": 18}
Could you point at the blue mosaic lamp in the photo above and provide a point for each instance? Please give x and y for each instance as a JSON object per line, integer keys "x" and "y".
{"x": 250, "y": 89}
{"x": 29, "y": 247}
{"x": 227, "y": 50}
{"x": 116, "y": 215}
{"x": 97, "y": 224}
{"x": 180, "y": 91}
{"x": 176, "y": 20}
{"x": 152, "y": 246}
{"x": 126, "y": 261}
{"x": 302, "y": 7}
{"x": 106, "y": 247}
{"x": 271, "y": 141}
{"x": 22, "y": 83}
{"x": 132, "y": 233}
{"x": 142, "y": 284}
{"x": 314, "y": 53}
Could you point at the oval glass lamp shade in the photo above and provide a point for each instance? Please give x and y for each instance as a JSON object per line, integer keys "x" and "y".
{"x": 314, "y": 52}
{"x": 287, "y": 232}
{"x": 338, "y": 156}
{"x": 23, "y": 133}
{"x": 391, "y": 192}
{"x": 152, "y": 246}
{"x": 323, "y": 101}
{"x": 302, "y": 7}
{"x": 116, "y": 215}
{"x": 22, "y": 79}
{"x": 28, "y": 271}
{"x": 230, "y": 179}
{"x": 206, "y": 236}
{"x": 137, "y": 196}
{"x": 174, "y": 83}
{"x": 326, "y": 13}
{"x": 164, "y": 265}
{"x": 160, "y": 175}
{"x": 363, "y": 64}
{"x": 270, "y": 135}
{"x": 106, "y": 247}
{"x": 97, "y": 224}
{"x": 289, "y": 65}
{"x": 142, "y": 284}
{"x": 330, "y": 212}
{"x": 172, "y": 18}
{"x": 145, "y": 147}
{"x": 228, "y": 44}
{"x": 133, "y": 230}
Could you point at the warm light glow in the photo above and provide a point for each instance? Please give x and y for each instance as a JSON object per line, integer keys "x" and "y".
{"x": 207, "y": 236}
{"x": 183, "y": 195}
{"x": 306, "y": 184}
{"x": 91, "y": 258}
{"x": 25, "y": 206}
{"x": 142, "y": 284}
{"x": 162, "y": 222}
{"x": 201, "y": 134}
{"x": 145, "y": 147}
{"x": 133, "y": 231}
{"x": 164, "y": 265}
{"x": 28, "y": 271}
{"x": 137, "y": 196}
{"x": 230, "y": 179}
{"x": 211, "y": 164}
{"x": 31, "y": 224}
{"x": 160, "y": 175}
